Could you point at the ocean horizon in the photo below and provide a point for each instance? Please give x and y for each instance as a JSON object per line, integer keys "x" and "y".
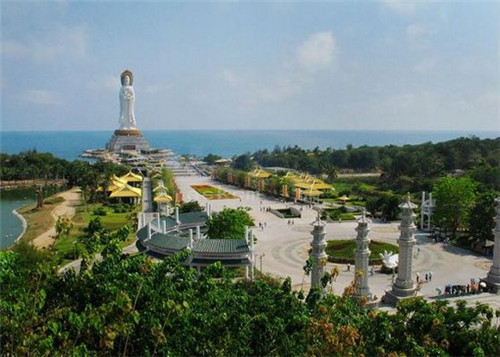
{"x": 227, "y": 143}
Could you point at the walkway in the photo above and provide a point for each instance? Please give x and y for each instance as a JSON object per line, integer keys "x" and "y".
{"x": 284, "y": 248}
{"x": 63, "y": 209}
{"x": 147, "y": 199}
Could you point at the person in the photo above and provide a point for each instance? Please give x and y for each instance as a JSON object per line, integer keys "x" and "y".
{"x": 418, "y": 278}
{"x": 371, "y": 270}
{"x": 430, "y": 276}
{"x": 348, "y": 267}
{"x": 127, "y": 102}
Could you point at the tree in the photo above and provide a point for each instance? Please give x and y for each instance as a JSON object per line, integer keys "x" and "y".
{"x": 454, "y": 199}
{"x": 211, "y": 158}
{"x": 191, "y": 206}
{"x": 482, "y": 219}
{"x": 243, "y": 162}
{"x": 229, "y": 224}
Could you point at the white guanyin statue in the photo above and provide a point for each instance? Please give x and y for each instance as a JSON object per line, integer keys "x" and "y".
{"x": 127, "y": 101}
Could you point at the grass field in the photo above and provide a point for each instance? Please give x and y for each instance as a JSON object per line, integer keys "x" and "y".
{"x": 39, "y": 220}
{"x": 342, "y": 251}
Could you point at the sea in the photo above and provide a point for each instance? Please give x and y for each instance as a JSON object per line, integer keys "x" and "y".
{"x": 226, "y": 143}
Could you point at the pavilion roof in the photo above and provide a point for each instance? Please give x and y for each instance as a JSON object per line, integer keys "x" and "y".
{"x": 259, "y": 173}
{"x": 126, "y": 191}
{"x": 115, "y": 184}
{"x": 160, "y": 187}
{"x": 312, "y": 192}
{"x": 132, "y": 177}
{"x": 162, "y": 197}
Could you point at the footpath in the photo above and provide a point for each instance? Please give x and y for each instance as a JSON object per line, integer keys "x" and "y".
{"x": 63, "y": 209}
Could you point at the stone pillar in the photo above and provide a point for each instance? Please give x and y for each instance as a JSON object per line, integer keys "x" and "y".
{"x": 318, "y": 254}
{"x": 422, "y": 214}
{"x": 177, "y": 215}
{"x": 361, "y": 258}
{"x": 198, "y": 233}
{"x": 404, "y": 286}
{"x": 191, "y": 244}
{"x": 164, "y": 226}
{"x": 252, "y": 257}
{"x": 493, "y": 277}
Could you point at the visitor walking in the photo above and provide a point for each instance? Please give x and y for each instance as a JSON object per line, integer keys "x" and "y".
{"x": 348, "y": 267}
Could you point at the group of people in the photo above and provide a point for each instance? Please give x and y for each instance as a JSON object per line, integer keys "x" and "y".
{"x": 427, "y": 277}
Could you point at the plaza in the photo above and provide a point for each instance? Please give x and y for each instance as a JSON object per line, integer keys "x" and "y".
{"x": 282, "y": 248}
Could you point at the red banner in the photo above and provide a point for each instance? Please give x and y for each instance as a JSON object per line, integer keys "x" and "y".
{"x": 261, "y": 185}
{"x": 271, "y": 189}
{"x": 247, "y": 182}
{"x": 284, "y": 191}
{"x": 297, "y": 193}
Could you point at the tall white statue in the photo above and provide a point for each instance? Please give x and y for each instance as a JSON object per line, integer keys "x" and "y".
{"x": 127, "y": 101}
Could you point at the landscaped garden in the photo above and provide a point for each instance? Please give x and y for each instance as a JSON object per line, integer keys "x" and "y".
{"x": 342, "y": 251}
{"x": 212, "y": 193}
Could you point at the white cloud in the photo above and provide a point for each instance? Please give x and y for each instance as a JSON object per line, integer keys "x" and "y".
{"x": 40, "y": 97}
{"x": 105, "y": 83}
{"x": 402, "y": 7}
{"x": 417, "y": 36}
{"x": 316, "y": 53}
{"x": 64, "y": 42}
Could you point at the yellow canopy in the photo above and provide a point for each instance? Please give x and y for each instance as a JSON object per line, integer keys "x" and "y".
{"x": 126, "y": 191}
{"x": 344, "y": 198}
{"x": 163, "y": 197}
{"x": 131, "y": 177}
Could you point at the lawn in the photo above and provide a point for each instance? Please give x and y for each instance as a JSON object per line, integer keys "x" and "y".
{"x": 212, "y": 193}
{"x": 342, "y": 251}
{"x": 39, "y": 220}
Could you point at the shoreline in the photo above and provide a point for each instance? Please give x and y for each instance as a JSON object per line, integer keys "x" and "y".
{"x": 24, "y": 224}
{"x": 15, "y": 184}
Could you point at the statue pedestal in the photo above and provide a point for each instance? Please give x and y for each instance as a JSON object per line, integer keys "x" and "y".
{"x": 392, "y": 297}
{"x": 128, "y": 140}
{"x": 493, "y": 280}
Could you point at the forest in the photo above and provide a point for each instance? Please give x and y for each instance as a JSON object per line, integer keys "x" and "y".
{"x": 130, "y": 306}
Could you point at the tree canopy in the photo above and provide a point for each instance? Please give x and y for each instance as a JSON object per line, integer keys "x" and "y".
{"x": 454, "y": 200}
{"x": 229, "y": 223}
{"x": 128, "y": 305}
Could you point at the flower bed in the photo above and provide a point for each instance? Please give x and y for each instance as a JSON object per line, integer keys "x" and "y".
{"x": 212, "y": 193}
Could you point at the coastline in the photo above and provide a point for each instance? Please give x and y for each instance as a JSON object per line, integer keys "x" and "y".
{"x": 24, "y": 223}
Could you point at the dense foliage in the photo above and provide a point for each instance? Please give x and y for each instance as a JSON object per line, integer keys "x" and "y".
{"x": 412, "y": 160}
{"x": 229, "y": 223}
{"x": 454, "y": 199}
{"x": 126, "y": 305}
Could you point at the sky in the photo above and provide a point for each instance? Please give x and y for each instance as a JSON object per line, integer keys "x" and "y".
{"x": 344, "y": 65}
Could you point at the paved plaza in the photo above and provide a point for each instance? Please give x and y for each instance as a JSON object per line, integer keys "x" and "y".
{"x": 282, "y": 249}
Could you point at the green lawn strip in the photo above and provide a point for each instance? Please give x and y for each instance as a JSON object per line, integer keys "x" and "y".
{"x": 342, "y": 251}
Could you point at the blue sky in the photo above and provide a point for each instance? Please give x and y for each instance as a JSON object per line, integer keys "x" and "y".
{"x": 388, "y": 65}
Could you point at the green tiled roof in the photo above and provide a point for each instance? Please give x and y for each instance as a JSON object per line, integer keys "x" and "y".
{"x": 221, "y": 246}
{"x": 227, "y": 262}
{"x": 193, "y": 217}
{"x": 170, "y": 241}
{"x": 142, "y": 233}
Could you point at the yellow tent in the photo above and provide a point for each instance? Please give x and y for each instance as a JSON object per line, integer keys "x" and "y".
{"x": 131, "y": 177}
{"x": 126, "y": 191}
